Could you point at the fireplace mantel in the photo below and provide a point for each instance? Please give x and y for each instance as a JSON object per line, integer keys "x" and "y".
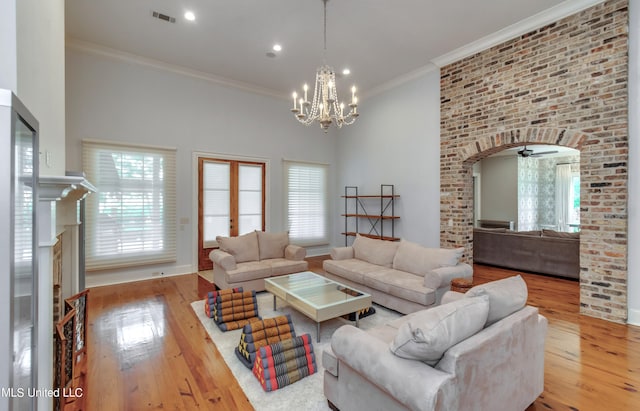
{"x": 55, "y": 188}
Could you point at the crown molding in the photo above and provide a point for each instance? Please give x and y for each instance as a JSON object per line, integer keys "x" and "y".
{"x": 397, "y": 81}
{"x": 96, "y": 49}
{"x": 541, "y": 19}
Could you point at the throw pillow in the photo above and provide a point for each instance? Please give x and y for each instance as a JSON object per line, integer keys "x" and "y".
{"x": 430, "y": 333}
{"x": 272, "y": 245}
{"x": 243, "y": 248}
{"x": 506, "y": 296}
{"x": 378, "y": 252}
{"x": 416, "y": 259}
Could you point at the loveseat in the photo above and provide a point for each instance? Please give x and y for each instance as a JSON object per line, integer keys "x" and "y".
{"x": 403, "y": 276}
{"x": 483, "y": 350}
{"x": 540, "y": 251}
{"x": 245, "y": 261}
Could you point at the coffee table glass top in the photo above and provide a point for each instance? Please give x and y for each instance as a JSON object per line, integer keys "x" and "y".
{"x": 315, "y": 290}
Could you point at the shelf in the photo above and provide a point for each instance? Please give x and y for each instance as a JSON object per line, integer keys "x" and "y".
{"x": 373, "y": 196}
{"x": 377, "y": 237}
{"x": 384, "y": 217}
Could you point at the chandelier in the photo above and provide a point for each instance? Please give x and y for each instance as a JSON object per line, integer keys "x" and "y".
{"x": 324, "y": 108}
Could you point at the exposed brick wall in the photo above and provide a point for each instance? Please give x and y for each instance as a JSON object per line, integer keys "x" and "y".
{"x": 565, "y": 84}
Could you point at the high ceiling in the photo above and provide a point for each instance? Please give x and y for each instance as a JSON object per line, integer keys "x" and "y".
{"x": 378, "y": 40}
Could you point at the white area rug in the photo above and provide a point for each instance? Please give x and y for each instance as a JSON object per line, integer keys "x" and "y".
{"x": 306, "y": 394}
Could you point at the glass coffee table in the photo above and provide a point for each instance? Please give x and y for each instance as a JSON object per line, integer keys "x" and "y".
{"x": 317, "y": 297}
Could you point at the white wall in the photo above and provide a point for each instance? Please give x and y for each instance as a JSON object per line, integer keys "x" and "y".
{"x": 633, "y": 284}
{"x": 40, "y": 34}
{"x": 500, "y": 188}
{"x": 396, "y": 141}
{"x": 116, "y": 99}
{"x": 8, "y": 56}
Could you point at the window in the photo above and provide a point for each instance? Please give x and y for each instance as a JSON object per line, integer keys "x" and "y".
{"x": 306, "y": 202}
{"x": 131, "y": 220}
{"x": 574, "y": 205}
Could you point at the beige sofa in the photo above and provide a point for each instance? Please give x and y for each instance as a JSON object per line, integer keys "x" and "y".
{"x": 245, "y": 261}
{"x": 403, "y": 276}
{"x": 483, "y": 351}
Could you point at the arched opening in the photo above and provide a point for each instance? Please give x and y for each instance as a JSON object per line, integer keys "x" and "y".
{"x": 526, "y": 210}
{"x": 528, "y": 187}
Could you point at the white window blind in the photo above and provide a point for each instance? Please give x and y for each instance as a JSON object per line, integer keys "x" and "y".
{"x": 306, "y": 202}
{"x": 131, "y": 220}
{"x": 216, "y": 200}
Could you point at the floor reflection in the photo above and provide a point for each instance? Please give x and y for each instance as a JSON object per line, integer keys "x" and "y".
{"x": 137, "y": 330}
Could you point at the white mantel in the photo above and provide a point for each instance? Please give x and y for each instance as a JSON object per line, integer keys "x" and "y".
{"x": 53, "y": 221}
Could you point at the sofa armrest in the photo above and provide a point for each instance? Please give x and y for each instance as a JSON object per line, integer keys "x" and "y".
{"x": 441, "y": 277}
{"x": 413, "y": 383}
{"x": 223, "y": 259}
{"x": 295, "y": 252}
{"x": 451, "y": 296}
{"x": 342, "y": 253}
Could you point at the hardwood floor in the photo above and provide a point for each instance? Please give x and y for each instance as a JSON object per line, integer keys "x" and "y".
{"x": 147, "y": 349}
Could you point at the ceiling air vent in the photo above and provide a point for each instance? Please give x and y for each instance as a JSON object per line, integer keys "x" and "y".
{"x": 164, "y": 17}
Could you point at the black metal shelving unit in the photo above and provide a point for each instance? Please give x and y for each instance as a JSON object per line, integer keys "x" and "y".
{"x": 383, "y": 219}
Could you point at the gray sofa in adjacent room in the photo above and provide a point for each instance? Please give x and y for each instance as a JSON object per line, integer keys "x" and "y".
{"x": 541, "y": 251}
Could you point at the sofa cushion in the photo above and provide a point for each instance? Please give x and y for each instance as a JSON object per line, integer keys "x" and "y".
{"x": 353, "y": 269}
{"x": 400, "y": 284}
{"x": 281, "y": 266}
{"x": 272, "y": 245}
{"x": 373, "y": 251}
{"x": 506, "y": 296}
{"x": 242, "y": 248}
{"x": 429, "y": 333}
{"x": 559, "y": 234}
{"x": 247, "y": 271}
{"x": 416, "y": 259}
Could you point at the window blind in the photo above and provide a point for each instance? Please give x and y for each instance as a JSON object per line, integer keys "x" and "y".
{"x": 306, "y": 202}
{"x": 131, "y": 220}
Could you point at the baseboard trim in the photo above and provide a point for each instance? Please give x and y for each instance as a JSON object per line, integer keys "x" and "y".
{"x": 102, "y": 278}
{"x": 633, "y": 317}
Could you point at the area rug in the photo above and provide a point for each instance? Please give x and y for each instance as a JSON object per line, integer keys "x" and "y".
{"x": 207, "y": 275}
{"x": 306, "y": 394}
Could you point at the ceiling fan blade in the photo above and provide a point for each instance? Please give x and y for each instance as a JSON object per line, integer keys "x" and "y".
{"x": 544, "y": 152}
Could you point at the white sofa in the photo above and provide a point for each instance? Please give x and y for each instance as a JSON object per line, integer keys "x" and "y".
{"x": 245, "y": 261}
{"x": 403, "y": 276}
{"x": 483, "y": 350}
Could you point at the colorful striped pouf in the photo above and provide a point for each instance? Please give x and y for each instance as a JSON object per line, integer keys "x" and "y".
{"x": 209, "y": 302}
{"x": 280, "y": 364}
{"x": 234, "y": 310}
{"x": 262, "y": 333}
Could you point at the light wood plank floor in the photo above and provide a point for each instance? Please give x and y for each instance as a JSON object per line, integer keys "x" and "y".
{"x": 147, "y": 350}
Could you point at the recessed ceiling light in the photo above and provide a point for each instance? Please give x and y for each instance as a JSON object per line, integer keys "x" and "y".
{"x": 189, "y": 16}
{"x": 346, "y": 72}
{"x": 277, "y": 47}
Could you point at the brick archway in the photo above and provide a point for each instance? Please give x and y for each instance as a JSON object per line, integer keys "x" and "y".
{"x": 566, "y": 84}
{"x": 603, "y": 247}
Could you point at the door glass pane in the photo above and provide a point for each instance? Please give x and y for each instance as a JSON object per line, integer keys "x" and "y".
{"x": 23, "y": 280}
{"x": 249, "y": 198}
{"x": 216, "y": 194}
{"x": 249, "y": 223}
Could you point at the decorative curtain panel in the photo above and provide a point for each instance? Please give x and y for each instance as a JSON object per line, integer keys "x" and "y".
{"x": 563, "y": 196}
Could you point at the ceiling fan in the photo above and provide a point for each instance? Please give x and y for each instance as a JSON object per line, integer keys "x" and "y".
{"x": 526, "y": 152}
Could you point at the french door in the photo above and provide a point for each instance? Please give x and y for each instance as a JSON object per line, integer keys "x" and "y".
{"x": 231, "y": 202}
